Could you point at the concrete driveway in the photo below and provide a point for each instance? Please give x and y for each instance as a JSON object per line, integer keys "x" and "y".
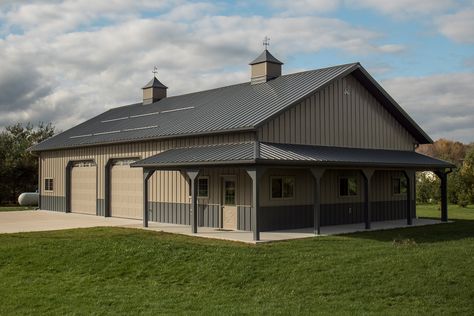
{"x": 31, "y": 221}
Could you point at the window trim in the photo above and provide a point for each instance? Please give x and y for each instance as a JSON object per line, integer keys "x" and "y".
{"x": 339, "y": 187}
{"x": 197, "y": 179}
{"x": 47, "y": 186}
{"x": 208, "y": 186}
{"x": 282, "y": 198}
{"x": 400, "y": 178}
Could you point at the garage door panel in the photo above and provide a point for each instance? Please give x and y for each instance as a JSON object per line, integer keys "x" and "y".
{"x": 126, "y": 192}
{"x": 83, "y": 190}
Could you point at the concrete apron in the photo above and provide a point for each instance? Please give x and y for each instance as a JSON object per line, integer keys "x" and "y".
{"x": 32, "y": 221}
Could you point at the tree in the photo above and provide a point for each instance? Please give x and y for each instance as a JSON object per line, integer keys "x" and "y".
{"x": 467, "y": 176}
{"x": 19, "y": 167}
{"x": 460, "y": 181}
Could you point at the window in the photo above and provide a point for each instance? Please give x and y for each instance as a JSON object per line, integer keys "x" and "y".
{"x": 48, "y": 184}
{"x": 203, "y": 187}
{"x": 348, "y": 186}
{"x": 83, "y": 164}
{"x": 229, "y": 192}
{"x": 282, "y": 187}
{"x": 399, "y": 185}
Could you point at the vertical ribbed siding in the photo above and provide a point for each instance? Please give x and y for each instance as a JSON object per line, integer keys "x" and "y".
{"x": 343, "y": 114}
{"x": 165, "y": 186}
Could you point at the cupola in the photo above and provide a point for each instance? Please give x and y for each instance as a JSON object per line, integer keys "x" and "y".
{"x": 265, "y": 67}
{"x": 154, "y": 90}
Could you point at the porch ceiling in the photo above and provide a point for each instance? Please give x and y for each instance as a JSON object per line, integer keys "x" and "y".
{"x": 289, "y": 154}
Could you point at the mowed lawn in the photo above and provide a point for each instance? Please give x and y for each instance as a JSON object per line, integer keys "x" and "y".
{"x": 422, "y": 270}
{"x": 16, "y": 208}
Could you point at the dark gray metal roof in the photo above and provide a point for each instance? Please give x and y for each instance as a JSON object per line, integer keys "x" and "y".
{"x": 265, "y": 56}
{"x": 240, "y": 107}
{"x": 154, "y": 83}
{"x": 272, "y": 153}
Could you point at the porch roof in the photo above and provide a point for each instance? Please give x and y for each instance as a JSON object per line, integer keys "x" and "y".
{"x": 251, "y": 153}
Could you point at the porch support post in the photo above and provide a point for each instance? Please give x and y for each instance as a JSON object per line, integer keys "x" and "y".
{"x": 443, "y": 176}
{"x": 409, "y": 175}
{"x": 147, "y": 173}
{"x": 367, "y": 173}
{"x": 317, "y": 175}
{"x": 255, "y": 173}
{"x": 193, "y": 211}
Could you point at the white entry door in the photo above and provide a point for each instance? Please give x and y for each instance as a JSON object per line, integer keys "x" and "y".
{"x": 229, "y": 209}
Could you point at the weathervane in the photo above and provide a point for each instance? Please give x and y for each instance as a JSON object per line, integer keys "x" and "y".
{"x": 155, "y": 70}
{"x": 266, "y": 42}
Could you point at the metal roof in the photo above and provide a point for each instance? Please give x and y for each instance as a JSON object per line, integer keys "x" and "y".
{"x": 232, "y": 108}
{"x": 265, "y": 56}
{"x": 272, "y": 153}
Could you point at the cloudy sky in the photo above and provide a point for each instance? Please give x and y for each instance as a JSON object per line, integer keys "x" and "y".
{"x": 65, "y": 61}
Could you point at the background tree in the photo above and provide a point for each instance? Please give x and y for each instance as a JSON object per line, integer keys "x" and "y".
{"x": 460, "y": 181}
{"x": 18, "y": 166}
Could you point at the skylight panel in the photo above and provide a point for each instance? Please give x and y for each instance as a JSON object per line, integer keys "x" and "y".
{"x": 146, "y": 114}
{"x": 79, "y": 136}
{"x": 180, "y": 109}
{"x": 115, "y": 119}
{"x": 138, "y": 128}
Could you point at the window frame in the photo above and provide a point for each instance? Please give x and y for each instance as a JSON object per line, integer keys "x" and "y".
{"x": 207, "y": 189}
{"x": 348, "y": 195}
{"x": 401, "y": 180}
{"x": 50, "y": 187}
{"x": 197, "y": 193}
{"x": 292, "y": 197}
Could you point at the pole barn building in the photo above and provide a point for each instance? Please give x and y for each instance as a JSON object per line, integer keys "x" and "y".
{"x": 308, "y": 149}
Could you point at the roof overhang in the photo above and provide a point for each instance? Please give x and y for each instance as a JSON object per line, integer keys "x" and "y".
{"x": 263, "y": 153}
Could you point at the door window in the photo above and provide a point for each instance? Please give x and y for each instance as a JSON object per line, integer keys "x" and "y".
{"x": 229, "y": 192}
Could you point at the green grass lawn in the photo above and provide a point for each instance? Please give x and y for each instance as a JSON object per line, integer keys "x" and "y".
{"x": 11, "y": 208}
{"x": 422, "y": 270}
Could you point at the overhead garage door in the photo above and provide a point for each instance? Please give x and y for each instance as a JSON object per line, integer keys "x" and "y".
{"x": 126, "y": 190}
{"x": 83, "y": 188}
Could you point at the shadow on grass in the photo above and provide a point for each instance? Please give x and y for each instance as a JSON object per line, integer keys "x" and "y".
{"x": 456, "y": 230}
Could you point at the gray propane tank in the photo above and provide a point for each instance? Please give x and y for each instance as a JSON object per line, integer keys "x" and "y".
{"x": 28, "y": 199}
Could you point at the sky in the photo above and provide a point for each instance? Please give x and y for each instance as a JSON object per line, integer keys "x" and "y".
{"x": 65, "y": 61}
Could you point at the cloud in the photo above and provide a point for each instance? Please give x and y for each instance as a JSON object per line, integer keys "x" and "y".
{"x": 68, "y": 67}
{"x": 67, "y": 64}
{"x": 305, "y": 6}
{"x": 458, "y": 26}
{"x": 398, "y": 8}
{"x": 442, "y": 104}
{"x": 404, "y": 8}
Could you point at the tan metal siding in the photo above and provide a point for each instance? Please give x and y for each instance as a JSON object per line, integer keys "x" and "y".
{"x": 53, "y": 164}
{"x": 331, "y": 117}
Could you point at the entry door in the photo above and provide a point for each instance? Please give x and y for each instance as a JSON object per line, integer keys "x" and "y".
{"x": 229, "y": 209}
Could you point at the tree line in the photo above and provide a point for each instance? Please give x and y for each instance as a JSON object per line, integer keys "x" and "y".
{"x": 18, "y": 166}
{"x": 460, "y": 180}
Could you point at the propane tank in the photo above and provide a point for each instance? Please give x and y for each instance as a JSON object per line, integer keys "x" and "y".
{"x": 28, "y": 199}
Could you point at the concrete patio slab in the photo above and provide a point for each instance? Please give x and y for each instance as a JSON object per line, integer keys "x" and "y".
{"x": 279, "y": 235}
{"x": 31, "y": 221}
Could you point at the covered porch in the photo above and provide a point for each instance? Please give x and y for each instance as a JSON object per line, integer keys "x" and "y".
{"x": 256, "y": 159}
